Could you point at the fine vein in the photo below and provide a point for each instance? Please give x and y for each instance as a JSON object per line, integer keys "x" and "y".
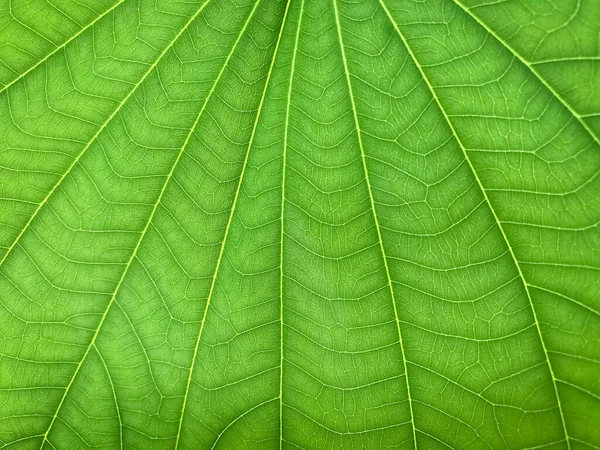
{"x": 533, "y": 70}
{"x": 141, "y": 238}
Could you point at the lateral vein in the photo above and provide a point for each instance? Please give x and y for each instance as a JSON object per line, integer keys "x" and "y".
{"x": 533, "y": 70}
{"x": 169, "y": 177}
{"x": 281, "y": 233}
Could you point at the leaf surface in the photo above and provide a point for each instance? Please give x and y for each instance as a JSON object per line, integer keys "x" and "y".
{"x": 299, "y": 224}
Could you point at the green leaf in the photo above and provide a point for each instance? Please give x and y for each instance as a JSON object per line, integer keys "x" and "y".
{"x": 299, "y": 224}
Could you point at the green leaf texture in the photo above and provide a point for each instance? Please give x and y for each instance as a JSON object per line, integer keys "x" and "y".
{"x": 299, "y": 224}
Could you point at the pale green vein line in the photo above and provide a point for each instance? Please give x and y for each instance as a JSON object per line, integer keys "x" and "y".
{"x": 61, "y": 46}
{"x": 102, "y": 127}
{"x": 281, "y": 232}
{"x": 566, "y": 59}
{"x": 532, "y": 69}
{"x": 375, "y": 218}
{"x": 580, "y": 389}
{"x": 112, "y": 387}
{"x": 24, "y": 25}
{"x": 492, "y": 210}
{"x": 229, "y": 219}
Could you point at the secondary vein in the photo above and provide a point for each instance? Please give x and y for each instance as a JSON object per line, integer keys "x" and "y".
{"x": 61, "y": 46}
{"x": 146, "y": 227}
{"x": 281, "y": 234}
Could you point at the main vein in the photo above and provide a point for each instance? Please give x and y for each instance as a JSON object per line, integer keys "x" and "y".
{"x": 491, "y": 208}
{"x": 102, "y": 127}
{"x": 375, "y": 217}
{"x": 281, "y": 234}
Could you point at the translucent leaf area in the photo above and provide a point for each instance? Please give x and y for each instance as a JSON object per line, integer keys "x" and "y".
{"x": 299, "y": 224}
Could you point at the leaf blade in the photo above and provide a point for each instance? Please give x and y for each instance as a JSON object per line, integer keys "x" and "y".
{"x": 279, "y": 190}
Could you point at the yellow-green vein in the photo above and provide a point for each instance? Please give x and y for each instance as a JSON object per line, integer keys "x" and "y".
{"x": 281, "y": 231}
{"x": 143, "y": 233}
{"x": 114, "y": 393}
